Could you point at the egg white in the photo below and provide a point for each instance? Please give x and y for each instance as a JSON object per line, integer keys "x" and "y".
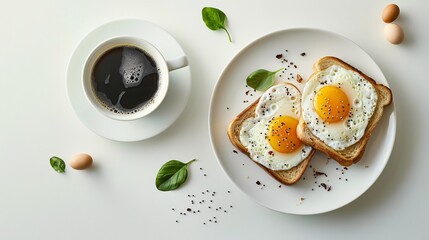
{"x": 362, "y": 97}
{"x": 279, "y": 100}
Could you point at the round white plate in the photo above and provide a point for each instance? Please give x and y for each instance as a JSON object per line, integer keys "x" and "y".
{"x": 231, "y": 96}
{"x": 143, "y": 128}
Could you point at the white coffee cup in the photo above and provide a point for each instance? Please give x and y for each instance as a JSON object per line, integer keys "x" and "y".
{"x": 164, "y": 67}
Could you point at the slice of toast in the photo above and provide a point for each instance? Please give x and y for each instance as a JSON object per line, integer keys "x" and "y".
{"x": 353, "y": 153}
{"x": 287, "y": 177}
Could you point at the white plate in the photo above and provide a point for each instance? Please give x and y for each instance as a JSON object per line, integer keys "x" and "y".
{"x": 143, "y": 128}
{"x": 229, "y": 98}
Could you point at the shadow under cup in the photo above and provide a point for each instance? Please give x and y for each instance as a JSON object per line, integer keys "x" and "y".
{"x": 127, "y": 78}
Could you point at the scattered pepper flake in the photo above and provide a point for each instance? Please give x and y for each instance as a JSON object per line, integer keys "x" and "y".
{"x": 316, "y": 174}
{"x": 298, "y": 78}
{"x": 325, "y": 186}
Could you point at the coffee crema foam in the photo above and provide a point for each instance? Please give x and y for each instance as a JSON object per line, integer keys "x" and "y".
{"x": 133, "y": 66}
{"x": 103, "y": 100}
{"x": 125, "y": 80}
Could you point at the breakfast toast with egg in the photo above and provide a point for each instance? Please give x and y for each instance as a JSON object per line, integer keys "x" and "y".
{"x": 287, "y": 177}
{"x": 353, "y": 153}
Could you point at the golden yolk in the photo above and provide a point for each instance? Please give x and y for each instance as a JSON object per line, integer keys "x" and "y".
{"x": 332, "y": 104}
{"x": 282, "y": 134}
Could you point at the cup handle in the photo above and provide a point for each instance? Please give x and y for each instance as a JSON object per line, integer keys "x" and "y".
{"x": 177, "y": 63}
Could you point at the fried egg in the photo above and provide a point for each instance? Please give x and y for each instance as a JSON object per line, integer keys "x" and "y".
{"x": 337, "y": 105}
{"x": 270, "y": 137}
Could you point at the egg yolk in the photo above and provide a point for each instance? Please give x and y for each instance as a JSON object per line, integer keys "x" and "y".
{"x": 282, "y": 134}
{"x": 331, "y": 104}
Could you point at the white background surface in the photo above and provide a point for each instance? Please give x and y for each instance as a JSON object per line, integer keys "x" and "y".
{"x": 117, "y": 198}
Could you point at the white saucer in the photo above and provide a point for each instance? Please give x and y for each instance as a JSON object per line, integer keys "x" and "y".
{"x": 159, "y": 120}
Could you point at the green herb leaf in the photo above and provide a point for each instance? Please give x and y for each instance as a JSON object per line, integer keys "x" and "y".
{"x": 215, "y": 19}
{"x": 261, "y": 79}
{"x": 171, "y": 175}
{"x": 58, "y": 164}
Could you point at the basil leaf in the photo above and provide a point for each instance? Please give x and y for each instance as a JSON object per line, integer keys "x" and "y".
{"x": 215, "y": 19}
{"x": 58, "y": 164}
{"x": 261, "y": 79}
{"x": 171, "y": 175}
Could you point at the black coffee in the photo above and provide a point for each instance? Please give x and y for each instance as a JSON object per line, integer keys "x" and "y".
{"x": 125, "y": 79}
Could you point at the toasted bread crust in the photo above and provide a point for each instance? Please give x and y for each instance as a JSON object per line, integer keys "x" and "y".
{"x": 287, "y": 177}
{"x": 354, "y": 153}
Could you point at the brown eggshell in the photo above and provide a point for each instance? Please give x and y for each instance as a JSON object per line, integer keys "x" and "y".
{"x": 390, "y": 13}
{"x": 81, "y": 161}
{"x": 393, "y": 33}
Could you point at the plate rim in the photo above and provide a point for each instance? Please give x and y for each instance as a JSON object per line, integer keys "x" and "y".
{"x": 260, "y": 39}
